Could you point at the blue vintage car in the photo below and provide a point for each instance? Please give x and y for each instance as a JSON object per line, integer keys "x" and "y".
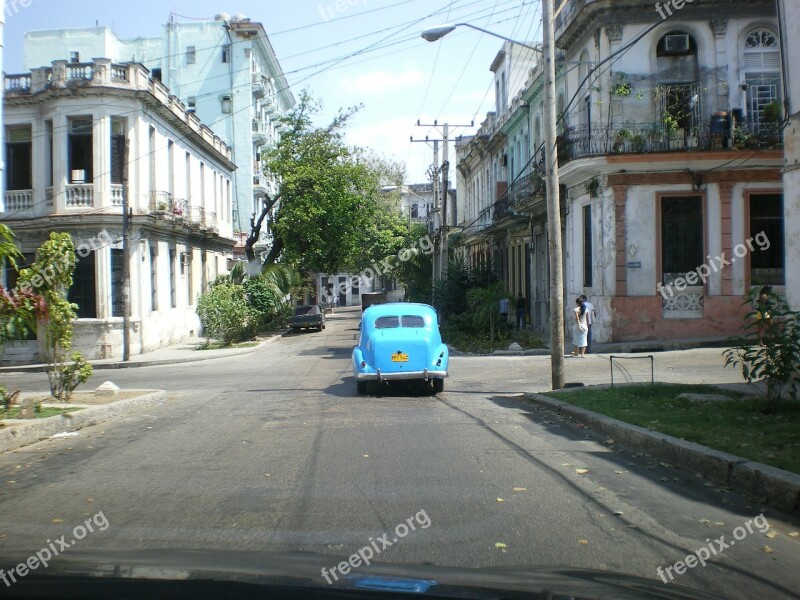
{"x": 400, "y": 340}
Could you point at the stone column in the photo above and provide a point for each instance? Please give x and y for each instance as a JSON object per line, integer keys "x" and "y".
{"x": 621, "y": 238}
{"x": 726, "y": 232}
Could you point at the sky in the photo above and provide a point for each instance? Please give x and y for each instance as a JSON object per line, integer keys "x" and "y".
{"x": 345, "y": 53}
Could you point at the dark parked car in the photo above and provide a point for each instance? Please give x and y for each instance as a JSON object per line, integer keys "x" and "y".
{"x": 308, "y": 316}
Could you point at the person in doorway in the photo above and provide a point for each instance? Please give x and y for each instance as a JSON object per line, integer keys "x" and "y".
{"x": 521, "y": 310}
{"x": 591, "y": 315}
{"x": 580, "y": 330}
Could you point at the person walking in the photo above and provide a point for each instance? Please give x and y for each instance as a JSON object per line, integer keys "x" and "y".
{"x": 580, "y": 329}
{"x": 591, "y": 315}
{"x": 505, "y": 304}
{"x": 521, "y": 312}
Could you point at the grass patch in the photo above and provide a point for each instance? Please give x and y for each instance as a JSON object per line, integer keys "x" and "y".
{"x": 42, "y": 413}
{"x": 737, "y": 425}
{"x": 469, "y": 340}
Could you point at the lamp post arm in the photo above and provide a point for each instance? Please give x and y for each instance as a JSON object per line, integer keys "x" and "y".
{"x": 502, "y": 37}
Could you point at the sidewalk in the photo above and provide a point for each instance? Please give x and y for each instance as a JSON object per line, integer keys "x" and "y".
{"x": 181, "y": 352}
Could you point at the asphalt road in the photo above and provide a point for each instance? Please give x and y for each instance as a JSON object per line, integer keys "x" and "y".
{"x": 274, "y": 451}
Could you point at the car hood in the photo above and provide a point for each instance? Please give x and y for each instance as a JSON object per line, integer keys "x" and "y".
{"x": 301, "y": 570}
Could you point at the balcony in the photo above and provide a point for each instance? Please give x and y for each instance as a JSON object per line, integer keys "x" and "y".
{"x": 259, "y": 183}
{"x": 260, "y": 132}
{"x": 260, "y": 84}
{"x": 79, "y": 195}
{"x": 116, "y": 194}
{"x": 603, "y": 139}
{"x": 162, "y": 203}
{"x": 18, "y": 200}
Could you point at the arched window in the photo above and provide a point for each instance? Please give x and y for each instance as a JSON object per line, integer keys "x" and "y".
{"x": 680, "y": 96}
{"x": 762, "y": 72}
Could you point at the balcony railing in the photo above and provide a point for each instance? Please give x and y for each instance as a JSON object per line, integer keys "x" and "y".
{"x": 162, "y": 202}
{"x": 84, "y": 71}
{"x": 596, "y": 140}
{"x": 18, "y": 200}
{"x": 116, "y": 194}
{"x": 79, "y": 195}
{"x": 18, "y": 83}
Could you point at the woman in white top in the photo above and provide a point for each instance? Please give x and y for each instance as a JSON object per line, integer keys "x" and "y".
{"x": 580, "y": 329}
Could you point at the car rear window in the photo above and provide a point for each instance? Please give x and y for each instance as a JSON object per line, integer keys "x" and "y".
{"x": 387, "y": 322}
{"x": 306, "y": 310}
{"x": 412, "y": 321}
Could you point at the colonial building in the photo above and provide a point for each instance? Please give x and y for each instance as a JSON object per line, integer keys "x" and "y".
{"x": 671, "y": 155}
{"x": 225, "y": 71}
{"x": 66, "y": 130}
{"x": 791, "y": 173}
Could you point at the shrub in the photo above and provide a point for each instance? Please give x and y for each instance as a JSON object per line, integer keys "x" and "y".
{"x": 73, "y": 375}
{"x": 225, "y": 313}
{"x": 264, "y": 299}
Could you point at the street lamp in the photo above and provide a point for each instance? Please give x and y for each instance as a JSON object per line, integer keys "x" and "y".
{"x": 551, "y": 160}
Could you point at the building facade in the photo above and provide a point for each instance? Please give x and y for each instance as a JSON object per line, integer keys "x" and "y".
{"x": 225, "y": 71}
{"x": 671, "y": 159}
{"x": 790, "y": 20}
{"x": 66, "y": 128}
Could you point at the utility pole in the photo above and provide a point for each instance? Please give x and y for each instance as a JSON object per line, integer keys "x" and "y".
{"x": 126, "y": 262}
{"x": 444, "y": 192}
{"x": 553, "y": 201}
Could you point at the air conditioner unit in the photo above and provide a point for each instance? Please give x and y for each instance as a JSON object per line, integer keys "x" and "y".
{"x": 676, "y": 43}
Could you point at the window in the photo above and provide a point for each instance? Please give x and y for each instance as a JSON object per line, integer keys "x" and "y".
{"x": 762, "y": 65}
{"x": 156, "y": 74}
{"x": 83, "y": 290}
{"x": 19, "y": 158}
{"x": 118, "y": 126}
{"x": 766, "y": 226}
{"x": 227, "y": 105}
{"x": 681, "y": 236}
{"x": 191, "y": 55}
{"x": 80, "y": 150}
{"x": 387, "y": 322}
{"x": 190, "y": 278}
{"x": 153, "y": 278}
{"x": 74, "y": 57}
{"x": 412, "y": 321}
{"x": 49, "y": 175}
{"x": 415, "y": 211}
{"x": 117, "y": 282}
{"x": 226, "y": 53}
{"x": 587, "y": 246}
{"x": 191, "y": 104}
{"x": 173, "y": 300}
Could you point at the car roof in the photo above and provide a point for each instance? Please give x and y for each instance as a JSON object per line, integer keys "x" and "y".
{"x": 398, "y": 308}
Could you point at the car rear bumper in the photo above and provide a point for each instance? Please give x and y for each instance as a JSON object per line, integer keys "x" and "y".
{"x": 398, "y": 375}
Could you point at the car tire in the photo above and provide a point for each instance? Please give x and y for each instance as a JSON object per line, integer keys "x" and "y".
{"x": 437, "y": 384}
{"x": 323, "y": 327}
{"x": 361, "y": 386}
{"x": 295, "y": 330}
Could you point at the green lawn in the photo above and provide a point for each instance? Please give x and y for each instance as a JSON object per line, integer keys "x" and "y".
{"x": 736, "y": 425}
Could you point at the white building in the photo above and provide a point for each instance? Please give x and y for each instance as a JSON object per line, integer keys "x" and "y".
{"x": 225, "y": 70}
{"x": 790, "y": 10}
{"x": 66, "y": 129}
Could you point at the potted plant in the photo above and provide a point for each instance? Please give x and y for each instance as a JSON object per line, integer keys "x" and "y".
{"x": 772, "y": 115}
{"x": 621, "y": 137}
{"x": 638, "y": 143}
{"x": 691, "y": 138}
{"x": 622, "y": 88}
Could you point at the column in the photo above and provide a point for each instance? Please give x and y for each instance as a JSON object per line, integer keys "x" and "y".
{"x": 620, "y": 228}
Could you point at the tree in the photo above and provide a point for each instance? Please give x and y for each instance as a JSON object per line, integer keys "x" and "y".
{"x": 485, "y": 305}
{"x": 776, "y": 361}
{"x": 51, "y": 277}
{"x": 327, "y": 215}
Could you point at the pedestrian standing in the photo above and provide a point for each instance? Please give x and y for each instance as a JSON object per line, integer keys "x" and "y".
{"x": 579, "y": 328}
{"x": 590, "y": 317}
{"x": 521, "y": 310}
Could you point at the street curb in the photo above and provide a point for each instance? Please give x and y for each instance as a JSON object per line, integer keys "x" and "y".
{"x": 14, "y": 436}
{"x": 40, "y": 368}
{"x": 767, "y": 484}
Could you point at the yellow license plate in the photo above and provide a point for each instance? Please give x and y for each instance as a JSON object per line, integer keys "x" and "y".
{"x": 399, "y": 357}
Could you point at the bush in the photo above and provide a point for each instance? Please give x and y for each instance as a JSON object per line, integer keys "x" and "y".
{"x": 73, "y": 375}
{"x": 265, "y": 300}
{"x": 225, "y": 313}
